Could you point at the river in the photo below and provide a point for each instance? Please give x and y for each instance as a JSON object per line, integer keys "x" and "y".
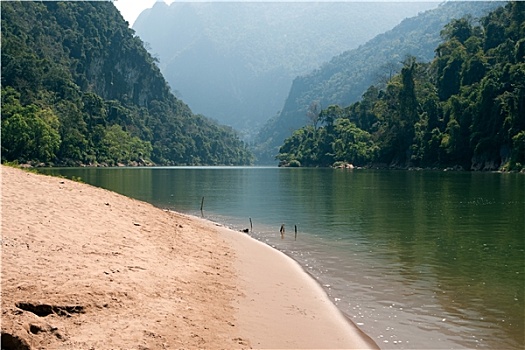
{"x": 417, "y": 259}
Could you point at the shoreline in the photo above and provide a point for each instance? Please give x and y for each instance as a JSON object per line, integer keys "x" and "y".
{"x": 283, "y": 290}
{"x": 452, "y": 168}
{"x": 126, "y": 274}
{"x": 234, "y": 233}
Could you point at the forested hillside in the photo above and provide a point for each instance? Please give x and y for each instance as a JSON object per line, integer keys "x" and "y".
{"x": 345, "y": 78}
{"x": 79, "y": 88}
{"x": 464, "y": 109}
{"x": 235, "y": 61}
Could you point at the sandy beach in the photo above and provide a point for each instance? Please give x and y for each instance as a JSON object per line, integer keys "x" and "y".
{"x": 86, "y": 268}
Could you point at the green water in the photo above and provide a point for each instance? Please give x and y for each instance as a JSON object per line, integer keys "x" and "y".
{"x": 418, "y": 260}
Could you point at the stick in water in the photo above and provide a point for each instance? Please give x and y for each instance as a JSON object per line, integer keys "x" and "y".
{"x": 251, "y": 226}
{"x": 296, "y": 232}
{"x": 202, "y": 203}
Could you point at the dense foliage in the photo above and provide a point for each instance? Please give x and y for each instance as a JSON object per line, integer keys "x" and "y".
{"x": 78, "y": 87}
{"x": 466, "y": 108}
{"x": 345, "y": 78}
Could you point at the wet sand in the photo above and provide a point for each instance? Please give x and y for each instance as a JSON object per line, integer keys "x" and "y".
{"x": 83, "y": 267}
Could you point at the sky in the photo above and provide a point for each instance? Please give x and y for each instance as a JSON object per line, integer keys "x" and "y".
{"x": 131, "y": 9}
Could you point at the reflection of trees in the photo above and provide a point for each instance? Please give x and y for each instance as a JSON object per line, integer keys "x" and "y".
{"x": 459, "y": 230}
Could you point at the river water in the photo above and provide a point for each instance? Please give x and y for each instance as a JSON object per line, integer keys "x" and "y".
{"x": 418, "y": 260}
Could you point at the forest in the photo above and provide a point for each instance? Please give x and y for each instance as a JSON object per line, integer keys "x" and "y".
{"x": 465, "y": 109}
{"x": 79, "y": 88}
{"x": 346, "y": 77}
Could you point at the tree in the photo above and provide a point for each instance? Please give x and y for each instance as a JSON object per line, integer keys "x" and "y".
{"x": 30, "y": 135}
{"x": 313, "y": 113}
{"x": 459, "y": 29}
{"x": 330, "y": 115}
{"x": 118, "y": 146}
{"x": 352, "y": 145}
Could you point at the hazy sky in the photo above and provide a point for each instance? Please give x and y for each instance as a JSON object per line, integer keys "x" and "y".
{"x": 131, "y": 9}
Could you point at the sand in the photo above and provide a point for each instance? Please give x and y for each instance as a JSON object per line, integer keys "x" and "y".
{"x": 86, "y": 268}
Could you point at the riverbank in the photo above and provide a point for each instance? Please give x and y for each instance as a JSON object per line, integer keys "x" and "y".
{"x": 83, "y": 267}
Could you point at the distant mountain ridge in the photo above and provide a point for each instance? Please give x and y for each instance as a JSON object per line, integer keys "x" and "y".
{"x": 463, "y": 110}
{"x": 346, "y": 77}
{"x": 235, "y": 62}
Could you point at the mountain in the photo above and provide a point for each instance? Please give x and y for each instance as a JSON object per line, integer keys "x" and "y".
{"x": 78, "y": 87}
{"x": 345, "y": 78}
{"x": 465, "y": 109}
{"x": 235, "y": 61}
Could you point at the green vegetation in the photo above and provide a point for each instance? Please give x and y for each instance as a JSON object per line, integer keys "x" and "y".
{"x": 346, "y": 77}
{"x": 78, "y": 87}
{"x": 466, "y": 108}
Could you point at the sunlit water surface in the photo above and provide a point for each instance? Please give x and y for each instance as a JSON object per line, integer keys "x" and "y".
{"x": 418, "y": 260}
